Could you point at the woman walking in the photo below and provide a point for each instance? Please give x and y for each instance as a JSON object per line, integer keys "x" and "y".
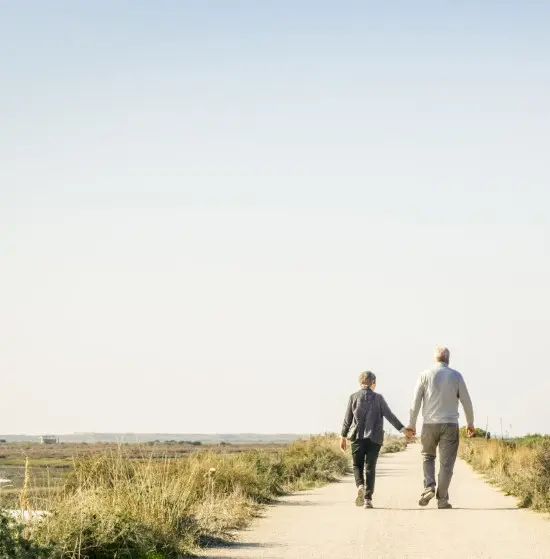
{"x": 364, "y": 427}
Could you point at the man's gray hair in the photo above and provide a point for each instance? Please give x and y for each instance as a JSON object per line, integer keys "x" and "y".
{"x": 442, "y": 355}
{"x": 367, "y": 378}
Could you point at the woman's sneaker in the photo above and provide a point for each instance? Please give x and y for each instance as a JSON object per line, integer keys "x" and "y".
{"x": 427, "y": 496}
{"x": 368, "y": 504}
{"x": 359, "y": 500}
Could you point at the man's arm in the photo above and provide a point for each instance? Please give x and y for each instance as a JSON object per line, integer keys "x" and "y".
{"x": 348, "y": 419}
{"x": 388, "y": 414}
{"x": 466, "y": 401}
{"x": 417, "y": 401}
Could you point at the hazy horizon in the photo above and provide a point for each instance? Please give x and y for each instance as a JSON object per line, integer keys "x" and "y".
{"x": 214, "y": 216}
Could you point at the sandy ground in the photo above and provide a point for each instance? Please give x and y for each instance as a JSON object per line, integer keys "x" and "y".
{"x": 324, "y": 523}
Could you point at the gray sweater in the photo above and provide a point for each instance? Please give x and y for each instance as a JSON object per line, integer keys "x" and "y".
{"x": 367, "y": 409}
{"x": 439, "y": 390}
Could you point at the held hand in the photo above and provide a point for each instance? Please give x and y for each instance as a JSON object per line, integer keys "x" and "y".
{"x": 409, "y": 433}
{"x": 470, "y": 431}
{"x": 343, "y": 444}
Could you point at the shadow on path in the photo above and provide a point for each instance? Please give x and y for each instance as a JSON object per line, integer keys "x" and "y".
{"x": 299, "y": 504}
{"x": 232, "y": 546}
{"x": 420, "y": 509}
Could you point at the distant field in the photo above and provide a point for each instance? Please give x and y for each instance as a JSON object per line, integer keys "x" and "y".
{"x": 58, "y": 454}
{"x": 206, "y": 438}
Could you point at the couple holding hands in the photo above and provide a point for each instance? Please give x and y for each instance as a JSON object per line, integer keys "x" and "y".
{"x": 438, "y": 391}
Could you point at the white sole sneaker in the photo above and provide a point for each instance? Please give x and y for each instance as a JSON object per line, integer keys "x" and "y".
{"x": 426, "y": 497}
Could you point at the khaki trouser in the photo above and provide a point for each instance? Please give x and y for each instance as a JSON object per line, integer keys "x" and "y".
{"x": 444, "y": 436}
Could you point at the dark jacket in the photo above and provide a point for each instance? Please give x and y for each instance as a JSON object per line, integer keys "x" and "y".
{"x": 367, "y": 409}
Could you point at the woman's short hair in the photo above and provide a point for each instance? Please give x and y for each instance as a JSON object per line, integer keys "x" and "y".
{"x": 442, "y": 355}
{"x": 367, "y": 378}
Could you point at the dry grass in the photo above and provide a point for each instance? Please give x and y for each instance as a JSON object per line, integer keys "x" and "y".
{"x": 113, "y": 507}
{"x": 520, "y": 468}
{"x": 50, "y": 465}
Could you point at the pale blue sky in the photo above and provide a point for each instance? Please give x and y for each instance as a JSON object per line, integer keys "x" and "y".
{"x": 214, "y": 215}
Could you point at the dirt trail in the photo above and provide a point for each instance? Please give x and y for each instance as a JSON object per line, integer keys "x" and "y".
{"x": 324, "y": 523}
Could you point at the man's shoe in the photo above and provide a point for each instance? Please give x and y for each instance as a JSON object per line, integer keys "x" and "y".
{"x": 427, "y": 496}
{"x": 360, "y": 499}
{"x": 368, "y": 504}
{"x": 444, "y": 506}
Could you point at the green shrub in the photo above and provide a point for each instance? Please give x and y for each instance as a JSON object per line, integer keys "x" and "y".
{"x": 15, "y": 545}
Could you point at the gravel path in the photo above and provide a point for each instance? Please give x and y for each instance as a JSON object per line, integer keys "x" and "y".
{"x": 324, "y": 523}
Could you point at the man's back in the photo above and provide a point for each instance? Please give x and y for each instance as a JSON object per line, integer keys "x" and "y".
{"x": 440, "y": 389}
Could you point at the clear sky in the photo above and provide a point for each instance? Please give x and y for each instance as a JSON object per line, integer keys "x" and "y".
{"x": 214, "y": 215}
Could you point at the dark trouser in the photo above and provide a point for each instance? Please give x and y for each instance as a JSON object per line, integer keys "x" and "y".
{"x": 444, "y": 436}
{"x": 364, "y": 451}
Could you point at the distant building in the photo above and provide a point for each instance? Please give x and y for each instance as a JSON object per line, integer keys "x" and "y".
{"x": 48, "y": 439}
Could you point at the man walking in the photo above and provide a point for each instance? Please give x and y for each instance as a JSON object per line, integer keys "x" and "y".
{"x": 439, "y": 391}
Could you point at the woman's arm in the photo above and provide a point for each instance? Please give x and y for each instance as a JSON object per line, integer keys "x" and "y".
{"x": 348, "y": 419}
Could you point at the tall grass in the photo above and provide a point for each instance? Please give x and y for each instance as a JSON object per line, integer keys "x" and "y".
{"x": 113, "y": 507}
{"x": 520, "y": 468}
